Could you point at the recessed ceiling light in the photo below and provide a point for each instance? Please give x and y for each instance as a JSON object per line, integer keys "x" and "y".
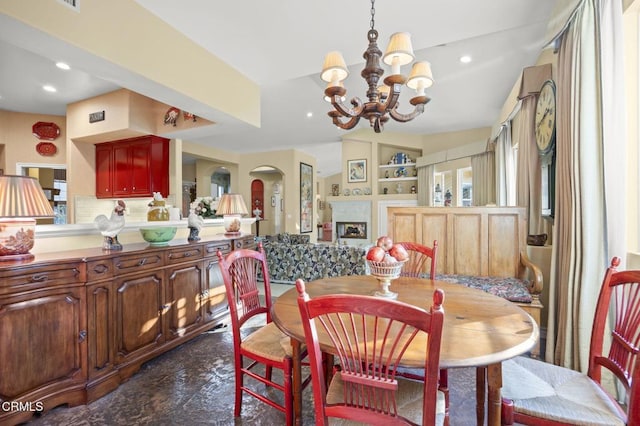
{"x": 309, "y": 114}
{"x": 465, "y": 59}
{"x": 63, "y": 66}
{"x": 49, "y": 88}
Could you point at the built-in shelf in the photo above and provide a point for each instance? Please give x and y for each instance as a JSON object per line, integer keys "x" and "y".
{"x": 398, "y": 175}
{"x": 397, "y": 179}
{"x": 395, "y": 166}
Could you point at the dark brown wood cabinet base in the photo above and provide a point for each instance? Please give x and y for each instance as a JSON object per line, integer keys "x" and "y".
{"x": 74, "y": 325}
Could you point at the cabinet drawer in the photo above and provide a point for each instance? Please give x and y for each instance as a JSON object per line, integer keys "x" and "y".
{"x": 247, "y": 242}
{"x": 183, "y": 254}
{"x": 210, "y": 249}
{"x": 99, "y": 269}
{"x": 28, "y": 278}
{"x": 135, "y": 263}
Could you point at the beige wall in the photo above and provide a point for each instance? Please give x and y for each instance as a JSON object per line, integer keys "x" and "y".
{"x": 288, "y": 162}
{"x": 19, "y": 143}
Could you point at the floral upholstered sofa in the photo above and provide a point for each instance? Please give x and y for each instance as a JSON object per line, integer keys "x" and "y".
{"x": 292, "y": 256}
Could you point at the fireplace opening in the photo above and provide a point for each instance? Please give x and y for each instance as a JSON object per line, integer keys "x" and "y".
{"x": 351, "y": 230}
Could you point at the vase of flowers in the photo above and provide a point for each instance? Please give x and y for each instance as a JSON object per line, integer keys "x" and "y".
{"x": 204, "y": 206}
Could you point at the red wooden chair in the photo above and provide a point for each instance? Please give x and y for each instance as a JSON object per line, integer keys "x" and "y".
{"x": 369, "y": 336}
{"x": 419, "y": 256}
{"x": 535, "y": 392}
{"x": 267, "y": 345}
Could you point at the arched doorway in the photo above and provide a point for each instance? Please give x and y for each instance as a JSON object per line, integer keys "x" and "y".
{"x": 266, "y": 188}
{"x": 257, "y": 202}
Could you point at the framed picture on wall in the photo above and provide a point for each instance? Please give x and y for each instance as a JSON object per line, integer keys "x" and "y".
{"x": 357, "y": 170}
{"x": 306, "y": 198}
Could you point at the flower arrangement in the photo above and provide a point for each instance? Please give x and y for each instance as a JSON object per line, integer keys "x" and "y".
{"x": 204, "y": 206}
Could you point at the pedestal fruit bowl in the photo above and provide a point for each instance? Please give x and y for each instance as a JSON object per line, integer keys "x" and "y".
{"x": 385, "y": 272}
{"x": 385, "y": 261}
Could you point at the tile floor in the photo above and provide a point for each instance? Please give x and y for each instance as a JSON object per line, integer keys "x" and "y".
{"x": 193, "y": 385}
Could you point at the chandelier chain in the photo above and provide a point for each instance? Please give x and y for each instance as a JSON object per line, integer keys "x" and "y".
{"x": 373, "y": 14}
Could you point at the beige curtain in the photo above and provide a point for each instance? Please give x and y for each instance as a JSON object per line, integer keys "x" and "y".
{"x": 483, "y": 175}
{"x": 587, "y": 124}
{"x": 505, "y": 168}
{"x": 425, "y": 183}
{"x": 528, "y": 186}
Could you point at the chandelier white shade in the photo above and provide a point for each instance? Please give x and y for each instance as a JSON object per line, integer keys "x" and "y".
{"x": 382, "y": 101}
{"x": 420, "y": 77}
{"x": 399, "y": 52}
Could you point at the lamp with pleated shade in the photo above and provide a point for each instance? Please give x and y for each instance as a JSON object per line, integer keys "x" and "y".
{"x": 21, "y": 201}
{"x": 232, "y": 208}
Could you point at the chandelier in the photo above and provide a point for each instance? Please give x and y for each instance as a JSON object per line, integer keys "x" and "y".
{"x": 382, "y": 99}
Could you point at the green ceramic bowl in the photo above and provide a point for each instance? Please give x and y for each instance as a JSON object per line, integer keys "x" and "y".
{"x": 158, "y": 235}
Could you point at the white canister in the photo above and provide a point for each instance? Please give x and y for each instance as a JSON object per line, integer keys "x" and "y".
{"x": 174, "y": 213}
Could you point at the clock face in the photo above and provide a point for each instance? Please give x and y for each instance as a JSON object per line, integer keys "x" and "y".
{"x": 545, "y": 118}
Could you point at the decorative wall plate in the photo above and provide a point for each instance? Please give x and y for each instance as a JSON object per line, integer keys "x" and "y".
{"x": 46, "y": 148}
{"x": 171, "y": 116}
{"x": 46, "y": 131}
{"x": 367, "y": 191}
{"x": 356, "y": 191}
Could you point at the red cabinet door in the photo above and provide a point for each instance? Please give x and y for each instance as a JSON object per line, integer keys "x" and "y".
{"x": 139, "y": 168}
{"x": 121, "y": 169}
{"x": 103, "y": 171}
{"x": 160, "y": 165}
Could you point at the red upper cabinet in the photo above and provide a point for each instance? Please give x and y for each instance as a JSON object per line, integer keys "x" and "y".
{"x": 104, "y": 171}
{"x": 132, "y": 167}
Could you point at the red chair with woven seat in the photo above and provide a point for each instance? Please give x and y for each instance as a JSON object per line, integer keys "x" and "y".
{"x": 419, "y": 256}
{"x": 539, "y": 393}
{"x": 369, "y": 336}
{"x": 267, "y": 345}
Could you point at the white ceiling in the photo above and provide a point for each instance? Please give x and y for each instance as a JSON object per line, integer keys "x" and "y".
{"x": 281, "y": 45}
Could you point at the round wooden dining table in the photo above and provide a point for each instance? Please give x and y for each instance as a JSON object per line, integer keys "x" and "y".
{"x": 480, "y": 330}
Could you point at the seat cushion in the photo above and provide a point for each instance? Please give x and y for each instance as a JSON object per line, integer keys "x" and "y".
{"x": 545, "y": 390}
{"x": 268, "y": 341}
{"x": 408, "y": 399}
{"x": 512, "y": 289}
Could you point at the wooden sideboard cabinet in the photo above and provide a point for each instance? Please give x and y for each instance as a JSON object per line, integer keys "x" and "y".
{"x": 72, "y": 330}
{"x": 43, "y": 332}
{"x": 214, "y": 301}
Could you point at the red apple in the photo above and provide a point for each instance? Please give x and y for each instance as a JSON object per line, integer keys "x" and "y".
{"x": 399, "y": 252}
{"x": 385, "y": 242}
{"x": 376, "y": 254}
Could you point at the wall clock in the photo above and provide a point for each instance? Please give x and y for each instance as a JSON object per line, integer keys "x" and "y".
{"x": 544, "y": 123}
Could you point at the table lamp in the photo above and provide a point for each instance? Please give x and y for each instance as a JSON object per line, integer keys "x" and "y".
{"x": 232, "y": 208}
{"x": 21, "y": 201}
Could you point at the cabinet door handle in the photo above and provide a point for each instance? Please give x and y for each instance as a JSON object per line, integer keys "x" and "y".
{"x": 82, "y": 336}
{"x": 39, "y": 278}
{"x": 164, "y": 307}
{"x": 142, "y": 261}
